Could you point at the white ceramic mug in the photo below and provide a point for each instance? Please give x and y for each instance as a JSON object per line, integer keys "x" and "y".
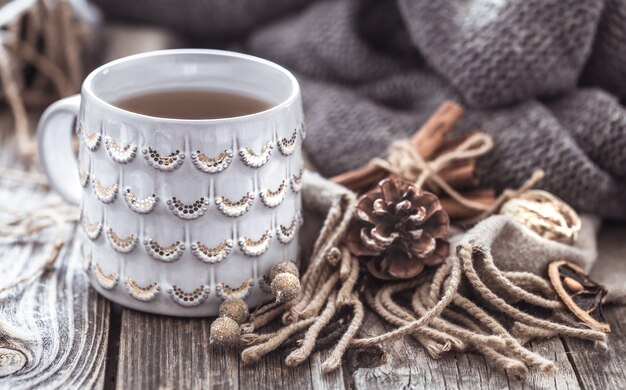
{"x": 174, "y": 213}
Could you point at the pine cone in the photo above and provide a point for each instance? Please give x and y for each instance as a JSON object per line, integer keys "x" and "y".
{"x": 398, "y": 230}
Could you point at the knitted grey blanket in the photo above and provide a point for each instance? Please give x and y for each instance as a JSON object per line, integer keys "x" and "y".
{"x": 543, "y": 77}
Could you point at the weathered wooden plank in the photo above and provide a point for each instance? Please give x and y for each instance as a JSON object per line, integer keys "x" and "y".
{"x": 565, "y": 377}
{"x": 598, "y": 369}
{"x": 164, "y": 352}
{"x": 319, "y": 379}
{"x": 55, "y": 322}
{"x": 272, "y": 373}
{"x": 409, "y": 366}
{"x": 167, "y": 352}
{"x": 406, "y": 365}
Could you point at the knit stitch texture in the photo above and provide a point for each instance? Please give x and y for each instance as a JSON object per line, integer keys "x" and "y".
{"x": 543, "y": 77}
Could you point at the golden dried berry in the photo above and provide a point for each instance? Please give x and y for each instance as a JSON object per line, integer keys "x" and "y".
{"x": 224, "y": 331}
{"x": 285, "y": 266}
{"x": 285, "y": 287}
{"x": 235, "y": 309}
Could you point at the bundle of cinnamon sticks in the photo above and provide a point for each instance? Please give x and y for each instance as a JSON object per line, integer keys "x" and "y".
{"x": 430, "y": 142}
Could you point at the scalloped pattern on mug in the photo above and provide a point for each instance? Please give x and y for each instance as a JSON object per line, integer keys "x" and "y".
{"x": 255, "y": 248}
{"x": 273, "y": 198}
{"x": 106, "y": 281}
{"x": 138, "y": 205}
{"x": 92, "y": 229}
{"x": 285, "y": 234}
{"x": 106, "y": 194}
{"x": 188, "y": 211}
{"x": 191, "y": 298}
{"x": 212, "y": 164}
{"x": 83, "y": 178}
{"x": 213, "y": 255}
{"x": 163, "y": 162}
{"x": 225, "y": 292}
{"x": 91, "y": 140}
{"x": 144, "y": 294}
{"x": 85, "y": 261}
{"x": 302, "y": 131}
{"x": 121, "y": 244}
{"x": 287, "y": 146}
{"x": 235, "y": 209}
{"x": 296, "y": 182}
{"x": 167, "y": 253}
{"x": 119, "y": 153}
{"x": 256, "y": 160}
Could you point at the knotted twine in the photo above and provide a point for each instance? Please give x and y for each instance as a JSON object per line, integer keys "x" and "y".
{"x": 405, "y": 162}
{"x": 458, "y": 307}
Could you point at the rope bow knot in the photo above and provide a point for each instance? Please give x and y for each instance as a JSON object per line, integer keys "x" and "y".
{"x": 404, "y": 161}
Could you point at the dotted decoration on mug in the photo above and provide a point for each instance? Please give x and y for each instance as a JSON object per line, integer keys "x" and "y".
{"x": 163, "y": 162}
{"x": 106, "y": 194}
{"x": 235, "y": 209}
{"x": 118, "y": 153}
{"x": 255, "y": 248}
{"x": 83, "y": 178}
{"x": 288, "y": 145}
{"x": 273, "y": 198}
{"x": 144, "y": 294}
{"x": 106, "y": 281}
{"x": 296, "y": 182}
{"x": 212, "y": 255}
{"x": 225, "y": 292}
{"x": 285, "y": 234}
{"x": 122, "y": 244}
{"x": 92, "y": 229}
{"x": 140, "y": 206}
{"x": 256, "y": 160}
{"x": 91, "y": 140}
{"x": 188, "y": 211}
{"x": 167, "y": 253}
{"x": 212, "y": 165}
{"x": 191, "y": 298}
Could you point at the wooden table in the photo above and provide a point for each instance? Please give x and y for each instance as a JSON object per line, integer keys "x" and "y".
{"x": 56, "y": 331}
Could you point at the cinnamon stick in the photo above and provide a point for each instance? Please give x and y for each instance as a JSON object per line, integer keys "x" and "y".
{"x": 360, "y": 178}
{"x": 426, "y": 141}
{"x": 453, "y": 143}
{"x": 432, "y": 133}
{"x": 461, "y": 176}
{"x": 456, "y": 210}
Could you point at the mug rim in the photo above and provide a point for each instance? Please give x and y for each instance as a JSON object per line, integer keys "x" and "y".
{"x": 93, "y": 97}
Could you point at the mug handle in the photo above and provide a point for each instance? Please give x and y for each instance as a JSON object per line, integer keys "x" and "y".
{"x": 54, "y": 143}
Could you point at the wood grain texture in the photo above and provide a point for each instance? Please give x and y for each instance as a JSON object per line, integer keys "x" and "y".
{"x": 54, "y": 332}
{"x": 319, "y": 380}
{"x": 167, "y": 352}
{"x": 164, "y": 352}
{"x": 409, "y": 366}
{"x": 53, "y": 329}
{"x": 56, "y": 321}
{"x": 597, "y": 369}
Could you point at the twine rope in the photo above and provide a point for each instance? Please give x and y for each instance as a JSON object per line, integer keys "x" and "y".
{"x": 404, "y": 161}
{"x": 425, "y": 319}
{"x": 439, "y": 317}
